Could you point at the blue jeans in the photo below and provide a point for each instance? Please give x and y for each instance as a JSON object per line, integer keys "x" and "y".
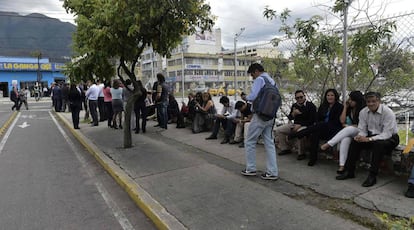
{"x": 259, "y": 127}
{"x": 411, "y": 179}
{"x": 163, "y": 114}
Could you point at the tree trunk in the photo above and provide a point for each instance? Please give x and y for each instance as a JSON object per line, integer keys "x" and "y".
{"x": 127, "y": 121}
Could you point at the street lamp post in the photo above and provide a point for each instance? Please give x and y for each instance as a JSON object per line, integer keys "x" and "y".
{"x": 39, "y": 76}
{"x": 182, "y": 71}
{"x": 237, "y": 35}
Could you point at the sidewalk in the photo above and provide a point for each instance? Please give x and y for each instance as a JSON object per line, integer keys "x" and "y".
{"x": 185, "y": 181}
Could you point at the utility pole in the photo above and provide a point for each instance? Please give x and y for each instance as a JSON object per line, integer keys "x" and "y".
{"x": 235, "y": 60}
{"x": 345, "y": 51}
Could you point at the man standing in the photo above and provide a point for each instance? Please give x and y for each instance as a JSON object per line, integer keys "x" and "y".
{"x": 162, "y": 101}
{"x": 92, "y": 95}
{"x": 259, "y": 127}
{"x": 303, "y": 114}
{"x": 101, "y": 102}
{"x": 378, "y": 134}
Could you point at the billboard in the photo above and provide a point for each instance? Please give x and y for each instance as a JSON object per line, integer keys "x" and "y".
{"x": 206, "y": 37}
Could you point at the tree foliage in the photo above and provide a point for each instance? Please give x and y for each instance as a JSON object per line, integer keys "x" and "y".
{"x": 375, "y": 62}
{"x": 121, "y": 29}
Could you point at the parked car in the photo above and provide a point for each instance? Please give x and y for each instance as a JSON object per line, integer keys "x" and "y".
{"x": 213, "y": 91}
{"x": 221, "y": 91}
{"x": 400, "y": 116}
{"x": 200, "y": 88}
{"x": 232, "y": 91}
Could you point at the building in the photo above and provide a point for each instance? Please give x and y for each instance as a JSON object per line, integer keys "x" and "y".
{"x": 204, "y": 62}
{"x": 27, "y": 72}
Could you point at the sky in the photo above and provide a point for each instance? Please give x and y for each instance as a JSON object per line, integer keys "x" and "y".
{"x": 232, "y": 15}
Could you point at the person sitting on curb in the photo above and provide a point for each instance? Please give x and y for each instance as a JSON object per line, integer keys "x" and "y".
{"x": 242, "y": 123}
{"x": 410, "y": 190}
{"x": 326, "y": 126}
{"x": 349, "y": 119}
{"x": 225, "y": 118}
{"x": 378, "y": 134}
{"x": 205, "y": 114}
{"x": 303, "y": 114}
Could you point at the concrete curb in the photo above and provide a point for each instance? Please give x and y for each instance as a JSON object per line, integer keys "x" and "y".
{"x": 154, "y": 210}
{"x": 7, "y": 123}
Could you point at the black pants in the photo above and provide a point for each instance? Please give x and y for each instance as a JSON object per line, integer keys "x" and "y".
{"x": 377, "y": 148}
{"x": 141, "y": 112}
{"x": 75, "y": 110}
{"x": 109, "y": 112}
{"x": 58, "y": 104}
{"x": 16, "y": 104}
{"x": 216, "y": 126}
{"x": 94, "y": 113}
{"x": 101, "y": 108}
{"x": 317, "y": 132}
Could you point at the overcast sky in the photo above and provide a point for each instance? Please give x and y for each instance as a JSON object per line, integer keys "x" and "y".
{"x": 233, "y": 14}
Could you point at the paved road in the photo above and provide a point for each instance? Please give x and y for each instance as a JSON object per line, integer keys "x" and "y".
{"x": 48, "y": 181}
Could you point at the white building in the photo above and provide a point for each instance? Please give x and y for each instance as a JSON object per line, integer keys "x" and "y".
{"x": 205, "y": 63}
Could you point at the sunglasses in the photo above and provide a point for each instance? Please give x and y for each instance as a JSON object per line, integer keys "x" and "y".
{"x": 299, "y": 97}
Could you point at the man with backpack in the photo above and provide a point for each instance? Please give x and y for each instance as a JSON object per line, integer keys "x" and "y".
{"x": 261, "y": 124}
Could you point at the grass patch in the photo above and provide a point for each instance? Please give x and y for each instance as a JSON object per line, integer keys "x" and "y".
{"x": 403, "y": 134}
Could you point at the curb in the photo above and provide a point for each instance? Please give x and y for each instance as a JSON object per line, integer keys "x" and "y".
{"x": 7, "y": 123}
{"x": 154, "y": 210}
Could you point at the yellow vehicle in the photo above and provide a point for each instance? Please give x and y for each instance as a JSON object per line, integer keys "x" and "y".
{"x": 221, "y": 91}
{"x": 213, "y": 91}
{"x": 232, "y": 91}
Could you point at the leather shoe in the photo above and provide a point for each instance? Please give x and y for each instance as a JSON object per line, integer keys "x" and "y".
{"x": 232, "y": 142}
{"x": 370, "y": 181}
{"x": 241, "y": 145}
{"x": 225, "y": 141}
{"x": 410, "y": 191}
{"x": 311, "y": 162}
{"x": 211, "y": 138}
{"x": 345, "y": 175}
{"x": 284, "y": 152}
{"x": 301, "y": 157}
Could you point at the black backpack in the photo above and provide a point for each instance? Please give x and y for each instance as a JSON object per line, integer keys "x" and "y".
{"x": 267, "y": 102}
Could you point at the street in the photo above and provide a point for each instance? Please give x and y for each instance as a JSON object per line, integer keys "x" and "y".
{"x": 49, "y": 181}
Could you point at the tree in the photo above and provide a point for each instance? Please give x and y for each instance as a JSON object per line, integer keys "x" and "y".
{"x": 122, "y": 29}
{"x": 375, "y": 61}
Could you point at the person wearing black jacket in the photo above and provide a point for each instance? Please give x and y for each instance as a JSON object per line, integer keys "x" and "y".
{"x": 327, "y": 124}
{"x": 75, "y": 104}
{"x": 303, "y": 114}
{"x": 141, "y": 110}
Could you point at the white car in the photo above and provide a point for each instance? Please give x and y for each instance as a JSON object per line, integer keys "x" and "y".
{"x": 200, "y": 88}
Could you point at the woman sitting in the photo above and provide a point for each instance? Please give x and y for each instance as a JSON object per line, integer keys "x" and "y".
{"x": 327, "y": 124}
{"x": 205, "y": 114}
{"x": 172, "y": 109}
{"x": 349, "y": 119}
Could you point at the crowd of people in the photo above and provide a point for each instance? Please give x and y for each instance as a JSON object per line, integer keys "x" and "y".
{"x": 362, "y": 123}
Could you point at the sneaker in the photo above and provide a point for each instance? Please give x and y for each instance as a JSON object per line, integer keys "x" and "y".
{"x": 267, "y": 176}
{"x": 248, "y": 173}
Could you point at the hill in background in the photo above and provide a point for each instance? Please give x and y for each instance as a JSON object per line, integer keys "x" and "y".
{"x": 20, "y": 36}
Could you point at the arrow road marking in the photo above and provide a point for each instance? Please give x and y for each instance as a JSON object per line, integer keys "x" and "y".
{"x": 24, "y": 125}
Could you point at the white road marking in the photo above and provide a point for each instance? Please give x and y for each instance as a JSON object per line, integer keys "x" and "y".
{"x": 117, "y": 212}
{"x": 6, "y": 136}
{"x": 24, "y": 125}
